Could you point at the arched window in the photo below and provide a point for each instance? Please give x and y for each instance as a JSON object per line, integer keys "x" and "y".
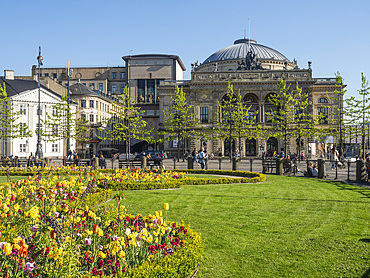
{"x": 250, "y": 147}
{"x": 251, "y": 100}
{"x": 323, "y": 100}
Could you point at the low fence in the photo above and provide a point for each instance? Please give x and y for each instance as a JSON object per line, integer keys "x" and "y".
{"x": 346, "y": 170}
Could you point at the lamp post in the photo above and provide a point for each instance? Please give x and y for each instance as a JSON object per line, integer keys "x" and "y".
{"x": 38, "y": 153}
{"x": 69, "y": 71}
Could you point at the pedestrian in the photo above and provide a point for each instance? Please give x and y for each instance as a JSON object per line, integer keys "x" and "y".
{"x": 334, "y": 157}
{"x": 194, "y": 154}
{"x": 102, "y": 162}
{"x": 201, "y": 157}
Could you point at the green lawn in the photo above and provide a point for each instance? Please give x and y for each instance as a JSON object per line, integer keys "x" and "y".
{"x": 12, "y": 178}
{"x": 202, "y": 176}
{"x": 285, "y": 227}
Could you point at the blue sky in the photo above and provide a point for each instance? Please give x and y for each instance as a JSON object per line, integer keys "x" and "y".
{"x": 334, "y": 35}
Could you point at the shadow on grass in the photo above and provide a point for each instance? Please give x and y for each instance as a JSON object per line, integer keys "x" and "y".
{"x": 367, "y": 240}
{"x": 361, "y": 190}
{"x": 267, "y": 198}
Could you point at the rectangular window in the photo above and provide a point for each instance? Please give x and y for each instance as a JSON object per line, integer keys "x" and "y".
{"x": 37, "y": 128}
{"x": 54, "y": 148}
{"x": 54, "y": 111}
{"x": 122, "y": 75}
{"x": 141, "y": 91}
{"x": 323, "y": 115}
{"x": 54, "y": 76}
{"x": 54, "y": 130}
{"x": 150, "y": 91}
{"x": 114, "y": 88}
{"x": 63, "y": 76}
{"x": 83, "y": 103}
{"x": 204, "y": 115}
{"x": 92, "y": 86}
{"x": 251, "y": 117}
{"x": 39, "y": 111}
{"x": 150, "y": 112}
{"x": 91, "y": 104}
{"x": 101, "y": 87}
{"x": 122, "y": 87}
{"x": 46, "y": 74}
{"x": 22, "y": 129}
{"x": 83, "y": 117}
{"x": 114, "y": 75}
{"x": 269, "y": 116}
{"x": 91, "y": 118}
{"x": 22, "y": 109}
{"x": 22, "y": 148}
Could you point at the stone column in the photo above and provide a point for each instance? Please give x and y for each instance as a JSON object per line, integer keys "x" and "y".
{"x": 190, "y": 162}
{"x": 321, "y": 168}
{"x": 360, "y": 170}
{"x": 279, "y": 166}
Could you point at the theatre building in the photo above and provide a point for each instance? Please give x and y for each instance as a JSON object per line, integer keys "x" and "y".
{"x": 255, "y": 70}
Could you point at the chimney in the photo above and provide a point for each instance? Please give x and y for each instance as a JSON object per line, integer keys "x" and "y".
{"x": 9, "y": 74}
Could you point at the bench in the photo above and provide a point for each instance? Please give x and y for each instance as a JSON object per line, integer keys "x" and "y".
{"x": 268, "y": 165}
{"x": 129, "y": 164}
{"x": 84, "y": 162}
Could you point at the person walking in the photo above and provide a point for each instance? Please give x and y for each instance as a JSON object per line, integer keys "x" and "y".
{"x": 201, "y": 156}
{"x": 334, "y": 158}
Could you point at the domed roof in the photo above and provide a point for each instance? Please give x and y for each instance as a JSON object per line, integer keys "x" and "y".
{"x": 239, "y": 51}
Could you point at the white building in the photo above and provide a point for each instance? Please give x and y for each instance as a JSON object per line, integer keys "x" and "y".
{"x": 24, "y": 98}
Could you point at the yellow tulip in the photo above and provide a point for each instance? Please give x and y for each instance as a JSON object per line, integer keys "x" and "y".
{"x": 166, "y": 206}
{"x": 7, "y": 249}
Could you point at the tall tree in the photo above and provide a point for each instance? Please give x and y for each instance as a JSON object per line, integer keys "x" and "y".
{"x": 63, "y": 123}
{"x": 125, "y": 122}
{"x": 292, "y": 118}
{"x": 180, "y": 120}
{"x": 236, "y": 119}
{"x": 10, "y": 127}
{"x": 333, "y": 120}
{"x": 358, "y": 112}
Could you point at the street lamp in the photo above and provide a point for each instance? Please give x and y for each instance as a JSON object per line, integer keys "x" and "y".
{"x": 38, "y": 153}
{"x": 69, "y": 72}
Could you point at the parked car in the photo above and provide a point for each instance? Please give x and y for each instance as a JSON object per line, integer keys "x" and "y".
{"x": 152, "y": 154}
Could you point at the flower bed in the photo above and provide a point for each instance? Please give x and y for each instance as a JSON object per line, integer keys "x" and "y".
{"x": 49, "y": 228}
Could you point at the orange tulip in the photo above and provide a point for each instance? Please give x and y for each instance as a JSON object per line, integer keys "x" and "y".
{"x": 23, "y": 252}
{"x": 166, "y": 206}
{"x": 12, "y": 199}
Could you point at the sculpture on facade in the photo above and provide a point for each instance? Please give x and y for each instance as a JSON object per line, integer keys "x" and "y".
{"x": 250, "y": 62}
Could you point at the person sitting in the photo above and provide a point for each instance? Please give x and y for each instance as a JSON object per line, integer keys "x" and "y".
{"x": 236, "y": 154}
{"x": 287, "y": 164}
{"x": 308, "y": 173}
{"x": 157, "y": 161}
{"x": 6, "y": 161}
{"x": 315, "y": 172}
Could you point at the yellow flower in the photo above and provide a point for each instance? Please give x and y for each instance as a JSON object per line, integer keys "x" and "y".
{"x": 100, "y": 232}
{"x": 102, "y": 255}
{"x": 166, "y": 206}
{"x": 121, "y": 254}
{"x": 7, "y": 249}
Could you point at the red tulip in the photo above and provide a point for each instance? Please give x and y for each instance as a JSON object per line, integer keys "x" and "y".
{"x": 95, "y": 229}
{"x": 12, "y": 199}
{"x": 53, "y": 234}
